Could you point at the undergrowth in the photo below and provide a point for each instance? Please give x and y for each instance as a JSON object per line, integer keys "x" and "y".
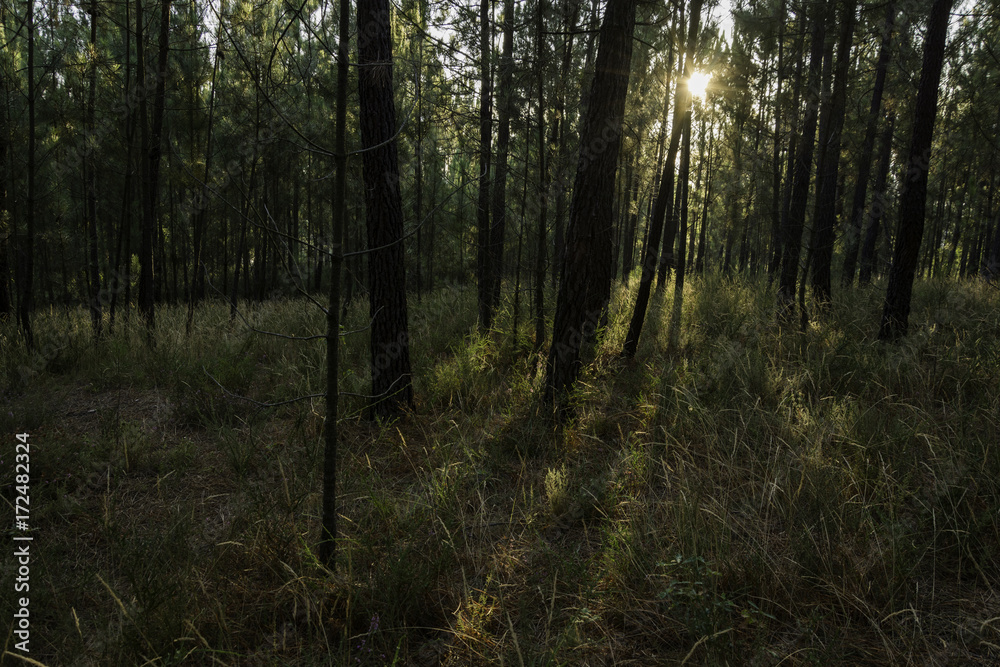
{"x": 751, "y": 495}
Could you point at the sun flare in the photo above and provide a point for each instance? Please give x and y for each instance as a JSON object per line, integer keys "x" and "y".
{"x": 698, "y": 83}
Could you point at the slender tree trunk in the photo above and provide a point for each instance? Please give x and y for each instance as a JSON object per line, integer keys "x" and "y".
{"x": 419, "y": 130}
{"x": 327, "y": 545}
{"x": 956, "y": 235}
{"x": 484, "y": 270}
{"x": 669, "y": 221}
{"x": 878, "y": 205}
{"x": 827, "y": 179}
{"x": 541, "y": 240}
{"x": 93, "y": 271}
{"x": 6, "y": 304}
{"x": 662, "y": 207}
{"x": 506, "y": 104}
{"x": 152, "y": 150}
{"x": 775, "y": 262}
{"x": 793, "y": 223}
{"x": 26, "y": 251}
{"x": 913, "y": 200}
{"x": 201, "y": 200}
{"x": 674, "y": 335}
{"x": 571, "y": 12}
{"x": 853, "y": 240}
{"x": 585, "y": 285}
{"x": 392, "y": 388}
{"x": 792, "y": 150}
{"x": 432, "y": 227}
{"x": 699, "y": 264}
{"x": 239, "y": 263}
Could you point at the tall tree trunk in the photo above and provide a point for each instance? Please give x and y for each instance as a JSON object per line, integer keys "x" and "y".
{"x": 93, "y": 272}
{"x": 793, "y": 223}
{"x": 419, "y": 130}
{"x": 197, "y": 291}
{"x": 152, "y": 146}
{"x": 669, "y": 223}
{"x": 699, "y": 264}
{"x": 244, "y": 215}
{"x": 913, "y": 200}
{"x": 328, "y": 537}
{"x": 853, "y": 240}
{"x": 662, "y": 207}
{"x": 392, "y": 388}
{"x": 560, "y": 132}
{"x": 956, "y": 235}
{"x": 674, "y": 335}
{"x": 585, "y": 285}
{"x": 520, "y": 238}
{"x": 827, "y": 178}
{"x": 6, "y": 217}
{"x": 823, "y": 133}
{"x": 506, "y": 104}
{"x": 878, "y": 205}
{"x": 541, "y": 240}
{"x": 484, "y": 271}
{"x": 26, "y": 251}
{"x": 774, "y": 262}
{"x": 791, "y": 152}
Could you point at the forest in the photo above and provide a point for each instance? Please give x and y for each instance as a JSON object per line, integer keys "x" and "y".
{"x": 510, "y": 332}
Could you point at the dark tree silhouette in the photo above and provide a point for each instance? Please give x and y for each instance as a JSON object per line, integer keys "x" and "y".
{"x": 498, "y": 225}
{"x": 152, "y": 149}
{"x": 585, "y": 285}
{"x": 90, "y": 185}
{"x": 829, "y": 165}
{"x": 796, "y": 215}
{"x": 867, "y": 148}
{"x": 392, "y": 387}
{"x": 25, "y": 267}
{"x": 913, "y": 201}
{"x": 543, "y": 177}
{"x": 484, "y": 271}
{"x": 878, "y": 206}
{"x": 328, "y": 537}
{"x": 662, "y": 209}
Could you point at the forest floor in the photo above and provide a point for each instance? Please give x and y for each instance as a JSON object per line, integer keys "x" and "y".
{"x": 757, "y": 496}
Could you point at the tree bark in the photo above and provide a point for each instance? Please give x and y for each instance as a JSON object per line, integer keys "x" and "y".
{"x": 826, "y": 195}
{"x": 197, "y": 291}
{"x": 6, "y": 217}
{"x": 26, "y": 250}
{"x": 662, "y": 207}
{"x": 913, "y": 200}
{"x": 669, "y": 221}
{"x": 152, "y": 151}
{"x": 506, "y": 104}
{"x": 560, "y": 133}
{"x": 541, "y": 240}
{"x": 328, "y": 537}
{"x": 484, "y": 270}
{"x": 392, "y": 388}
{"x": 93, "y": 271}
{"x": 674, "y": 335}
{"x": 585, "y": 285}
{"x": 793, "y": 223}
{"x": 853, "y": 240}
{"x": 878, "y": 205}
